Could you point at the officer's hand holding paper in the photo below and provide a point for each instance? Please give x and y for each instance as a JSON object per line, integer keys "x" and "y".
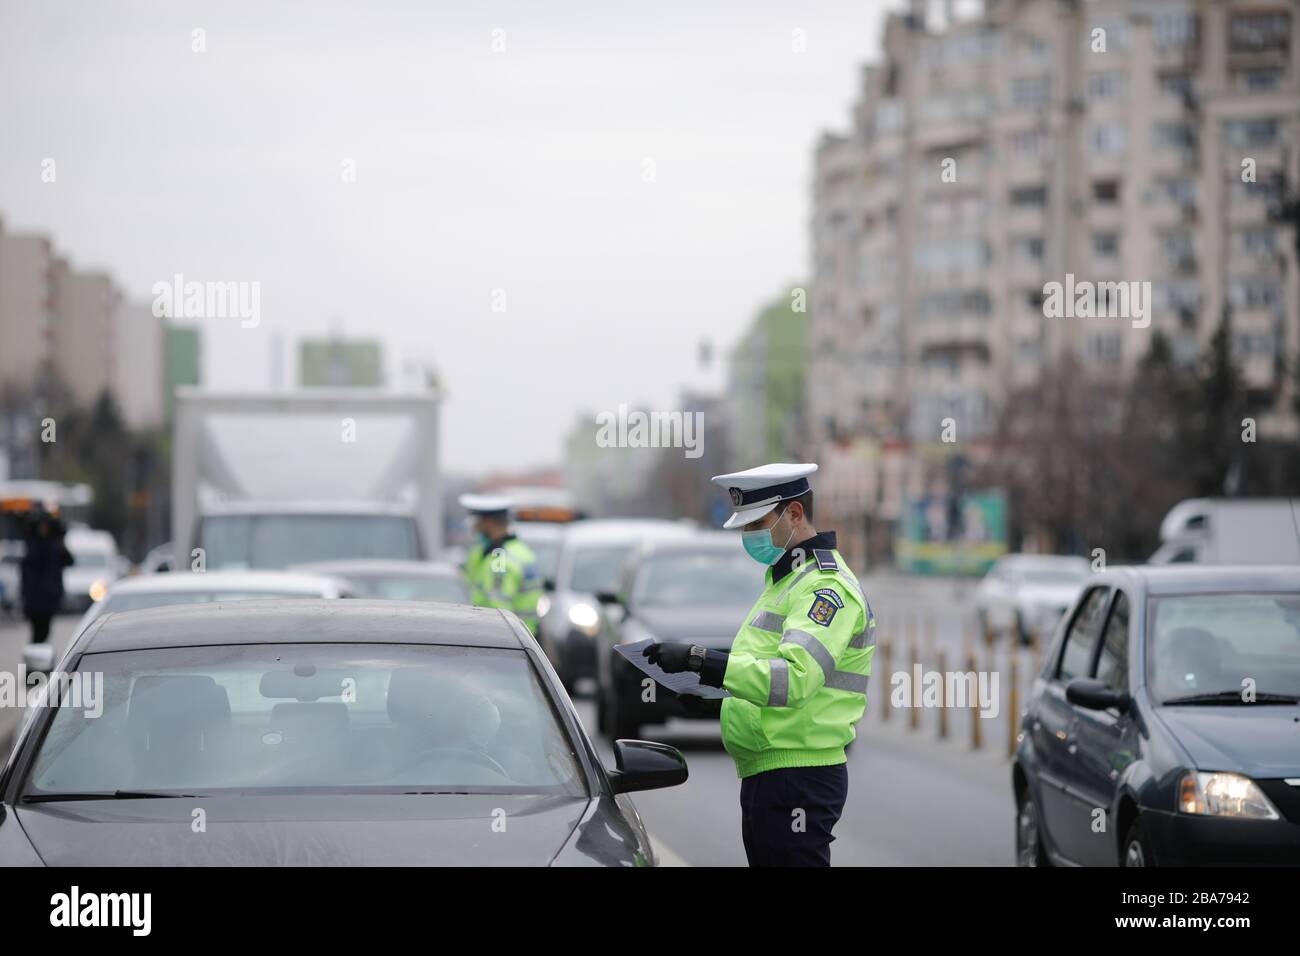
{"x": 667, "y": 664}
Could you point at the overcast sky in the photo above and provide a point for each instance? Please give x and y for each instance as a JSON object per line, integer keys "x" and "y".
{"x": 521, "y": 170}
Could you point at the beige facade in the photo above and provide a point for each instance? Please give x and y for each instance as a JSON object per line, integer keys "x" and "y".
{"x": 1042, "y": 142}
{"x": 84, "y": 307}
{"x": 25, "y": 335}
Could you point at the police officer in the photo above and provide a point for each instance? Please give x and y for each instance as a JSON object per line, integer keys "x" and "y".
{"x": 501, "y": 570}
{"x": 797, "y": 671}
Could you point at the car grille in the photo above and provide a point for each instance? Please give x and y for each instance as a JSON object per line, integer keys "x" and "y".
{"x": 1284, "y": 796}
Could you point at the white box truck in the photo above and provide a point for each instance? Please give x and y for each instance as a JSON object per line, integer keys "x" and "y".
{"x": 272, "y": 480}
{"x": 1231, "y": 531}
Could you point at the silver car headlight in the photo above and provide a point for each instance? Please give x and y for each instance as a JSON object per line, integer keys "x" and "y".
{"x": 585, "y": 618}
{"x": 1224, "y": 795}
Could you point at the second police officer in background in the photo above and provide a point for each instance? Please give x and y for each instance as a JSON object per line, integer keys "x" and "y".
{"x": 501, "y": 570}
{"x": 797, "y": 671}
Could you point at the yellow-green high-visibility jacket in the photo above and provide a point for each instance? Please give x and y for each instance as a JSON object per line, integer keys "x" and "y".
{"x": 798, "y": 668}
{"x": 506, "y": 576}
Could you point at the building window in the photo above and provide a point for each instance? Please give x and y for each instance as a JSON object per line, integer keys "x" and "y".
{"x": 1027, "y": 248}
{"x": 1258, "y": 81}
{"x": 1031, "y": 92}
{"x": 1173, "y": 136}
{"x": 1176, "y": 84}
{"x": 1179, "y": 249}
{"x": 1029, "y": 196}
{"x": 1029, "y": 143}
{"x": 1260, "y": 243}
{"x": 1105, "y": 245}
{"x": 1253, "y": 292}
{"x": 1177, "y": 190}
{"x": 1105, "y": 191}
{"x": 1104, "y": 347}
{"x": 1106, "y": 86}
{"x": 1174, "y": 30}
{"x": 1259, "y": 33}
{"x": 1256, "y": 131}
{"x": 1108, "y": 139}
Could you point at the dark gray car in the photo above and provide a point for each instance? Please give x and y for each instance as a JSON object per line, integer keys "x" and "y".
{"x": 312, "y": 732}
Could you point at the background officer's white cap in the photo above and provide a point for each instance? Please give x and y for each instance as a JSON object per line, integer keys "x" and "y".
{"x": 757, "y": 491}
{"x": 485, "y": 504}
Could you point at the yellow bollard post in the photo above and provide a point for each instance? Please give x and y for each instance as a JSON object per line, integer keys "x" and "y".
{"x": 975, "y": 740}
{"x": 913, "y": 712}
{"x": 943, "y": 698}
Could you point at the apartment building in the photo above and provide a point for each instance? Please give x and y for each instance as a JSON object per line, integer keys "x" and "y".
{"x": 1101, "y": 145}
{"x": 25, "y": 336}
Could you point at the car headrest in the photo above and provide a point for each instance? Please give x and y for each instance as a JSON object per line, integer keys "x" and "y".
{"x": 180, "y": 701}
{"x": 441, "y": 705}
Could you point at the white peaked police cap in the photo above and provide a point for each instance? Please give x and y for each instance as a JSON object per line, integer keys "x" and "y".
{"x": 485, "y": 504}
{"x": 757, "y": 491}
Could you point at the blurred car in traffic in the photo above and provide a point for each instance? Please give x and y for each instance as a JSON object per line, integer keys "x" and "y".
{"x": 159, "y": 560}
{"x": 545, "y": 538}
{"x": 1026, "y": 594}
{"x": 325, "y": 733}
{"x": 1164, "y": 728}
{"x": 396, "y": 580}
{"x": 588, "y": 573}
{"x": 697, "y": 589}
{"x": 94, "y": 567}
{"x": 11, "y": 578}
{"x": 187, "y": 587}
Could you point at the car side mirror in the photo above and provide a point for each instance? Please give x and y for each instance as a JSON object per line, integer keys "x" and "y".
{"x": 643, "y": 765}
{"x": 1095, "y": 695}
{"x": 38, "y": 658}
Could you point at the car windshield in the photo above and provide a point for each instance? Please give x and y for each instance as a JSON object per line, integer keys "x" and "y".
{"x": 598, "y": 569}
{"x": 90, "y": 559}
{"x": 698, "y": 579}
{"x": 258, "y": 718}
{"x": 1224, "y": 644}
{"x": 439, "y": 588}
{"x": 277, "y": 541}
{"x": 548, "y": 554}
{"x": 146, "y": 599}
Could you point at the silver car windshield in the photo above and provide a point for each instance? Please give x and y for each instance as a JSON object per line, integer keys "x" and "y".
{"x": 307, "y": 717}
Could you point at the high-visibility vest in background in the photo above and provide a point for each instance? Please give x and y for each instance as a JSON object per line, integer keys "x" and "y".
{"x": 798, "y": 669}
{"x": 505, "y": 576}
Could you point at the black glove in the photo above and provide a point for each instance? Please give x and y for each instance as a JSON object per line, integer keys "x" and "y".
{"x": 672, "y": 657}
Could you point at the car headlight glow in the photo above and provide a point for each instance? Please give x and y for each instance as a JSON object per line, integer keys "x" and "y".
{"x": 585, "y": 618}
{"x": 543, "y": 605}
{"x": 97, "y": 591}
{"x": 1224, "y": 795}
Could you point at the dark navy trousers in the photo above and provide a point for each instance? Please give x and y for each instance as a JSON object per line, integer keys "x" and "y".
{"x": 786, "y": 816}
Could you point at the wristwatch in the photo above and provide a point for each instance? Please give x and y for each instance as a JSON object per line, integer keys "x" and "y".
{"x": 696, "y": 659}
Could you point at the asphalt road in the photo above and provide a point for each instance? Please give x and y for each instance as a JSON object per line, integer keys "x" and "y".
{"x": 913, "y": 801}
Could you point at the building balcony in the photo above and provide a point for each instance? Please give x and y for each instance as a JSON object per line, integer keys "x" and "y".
{"x": 956, "y": 332}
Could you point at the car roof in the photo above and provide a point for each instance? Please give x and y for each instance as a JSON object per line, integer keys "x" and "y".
{"x": 722, "y": 541}
{"x": 306, "y": 506}
{"x": 346, "y": 566}
{"x": 624, "y": 530}
{"x": 176, "y": 581}
{"x": 1207, "y": 579}
{"x": 302, "y": 621}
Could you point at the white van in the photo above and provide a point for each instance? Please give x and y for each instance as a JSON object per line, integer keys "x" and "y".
{"x": 1231, "y": 531}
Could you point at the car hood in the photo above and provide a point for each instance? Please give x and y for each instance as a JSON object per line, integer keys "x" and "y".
{"x": 1259, "y": 740}
{"x": 305, "y": 830}
{"x": 711, "y": 626}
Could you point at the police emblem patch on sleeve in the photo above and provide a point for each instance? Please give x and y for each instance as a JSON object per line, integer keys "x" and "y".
{"x": 825, "y": 603}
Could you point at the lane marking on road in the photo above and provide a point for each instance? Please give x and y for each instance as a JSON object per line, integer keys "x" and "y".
{"x": 667, "y": 857}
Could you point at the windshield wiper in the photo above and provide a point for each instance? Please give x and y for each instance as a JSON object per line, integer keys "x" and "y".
{"x": 1234, "y": 697}
{"x": 105, "y": 795}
